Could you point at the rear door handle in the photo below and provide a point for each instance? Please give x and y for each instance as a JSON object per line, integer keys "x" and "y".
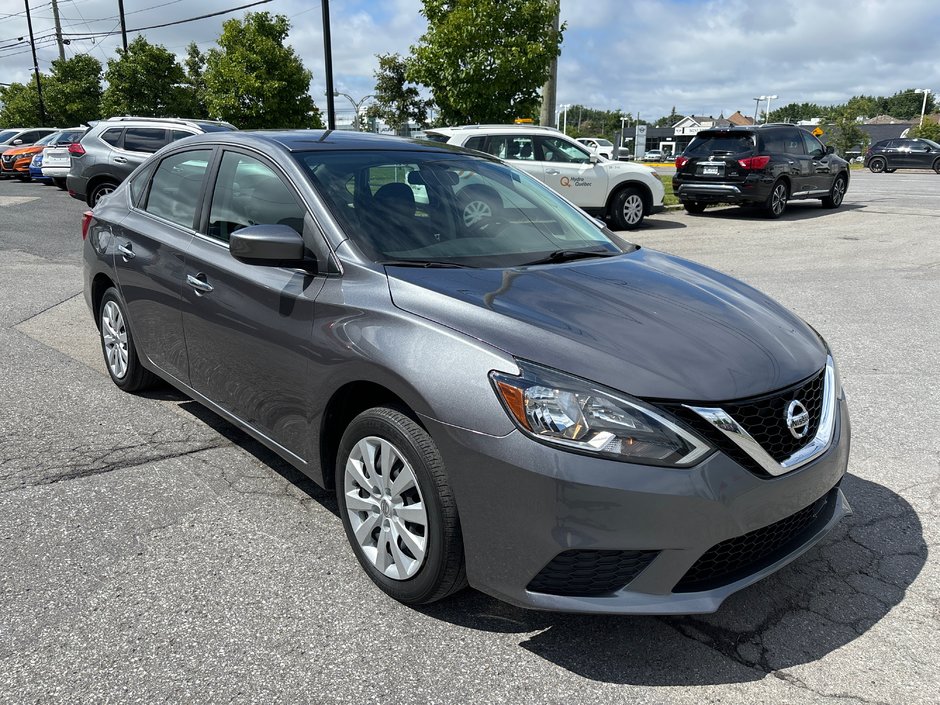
{"x": 127, "y": 252}
{"x": 552, "y": 172}
{"x": 200, "y": 285}
{"x": 120, "y": 160}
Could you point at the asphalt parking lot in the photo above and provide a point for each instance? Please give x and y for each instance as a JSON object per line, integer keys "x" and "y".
{"x": 153, "y": 553}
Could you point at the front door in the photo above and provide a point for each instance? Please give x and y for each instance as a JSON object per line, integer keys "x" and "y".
{"x": 248, "y": 327}
{"x": 568, "y": 170}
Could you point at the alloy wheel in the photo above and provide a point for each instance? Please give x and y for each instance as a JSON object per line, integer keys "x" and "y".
{"x": 632, "y": 209}
{"x": 838, "y": 191}
{"x": 114, "y": 336}
{"x": 778, "y": 199}
{"x": 877, "y": 165}
{"x": 386, "y": 511}
{"x": 475, "y": 211}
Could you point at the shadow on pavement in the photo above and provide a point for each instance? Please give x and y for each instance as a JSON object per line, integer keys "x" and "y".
{"x": 824, "y": 600}
{"x": 796, "y": 210}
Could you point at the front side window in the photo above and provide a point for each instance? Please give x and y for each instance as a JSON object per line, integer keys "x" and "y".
{"x": 177, "y": 185}
{"x": 248, "y": 192}
{"x": 144, "y": 139}
{"x": 518, "y": 147}
{"x": 814, "y": 147}
{"x": 555, "y": 149}
{"x": 449, "y": 209}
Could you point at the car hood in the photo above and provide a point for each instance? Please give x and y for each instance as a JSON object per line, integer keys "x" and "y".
{"x": 646, "y": 323}
{"x": 23, "y": 151}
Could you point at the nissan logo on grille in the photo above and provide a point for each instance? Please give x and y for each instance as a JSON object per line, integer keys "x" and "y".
{"x": 797, "y": 419}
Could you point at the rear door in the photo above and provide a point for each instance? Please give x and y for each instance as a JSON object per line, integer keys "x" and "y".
{"x": 517, "y": 149}
{"x": 137, "y": 145}
{"x": 714, "y": 157}
{"x": 149, "y": 250}
{"x": 821, "y": 164}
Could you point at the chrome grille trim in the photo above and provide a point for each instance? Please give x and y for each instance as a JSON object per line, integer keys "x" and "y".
{"x": 818, "y": 445}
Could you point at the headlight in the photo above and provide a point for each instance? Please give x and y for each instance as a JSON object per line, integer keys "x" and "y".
{"x": 578, "y": 415}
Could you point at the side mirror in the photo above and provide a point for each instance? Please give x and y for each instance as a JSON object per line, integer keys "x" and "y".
{"x": 16, "y": 142}
{"x": 830, "y": 149}
{"x": 271, "y": 245}
{"x": 594, "y": 158}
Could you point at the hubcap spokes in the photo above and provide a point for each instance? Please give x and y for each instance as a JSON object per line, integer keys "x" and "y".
{"x": 632, "y": 209}
{"x": 114, "y": 335}
{"x": 475, "y": 211}
{"x": 779, "y": 200}
{"x": 385, "y": 507}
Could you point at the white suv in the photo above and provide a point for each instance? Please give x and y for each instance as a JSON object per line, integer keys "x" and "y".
{"x": 598, "y": 145}
{"x": 622, "y": 191}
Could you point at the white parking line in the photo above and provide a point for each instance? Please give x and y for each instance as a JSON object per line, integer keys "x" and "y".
{"x": 16, "y": 200}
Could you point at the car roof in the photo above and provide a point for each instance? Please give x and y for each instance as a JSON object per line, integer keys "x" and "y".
{"x": 493, "y": 128}
{"x": 325, "y": 140}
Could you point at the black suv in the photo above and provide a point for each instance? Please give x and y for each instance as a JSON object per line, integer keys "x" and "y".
{"x": 765, "y": 165}
{"x": 891, "y": 155}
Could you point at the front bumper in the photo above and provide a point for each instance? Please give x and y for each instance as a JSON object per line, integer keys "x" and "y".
{"x": 521, "y": 504}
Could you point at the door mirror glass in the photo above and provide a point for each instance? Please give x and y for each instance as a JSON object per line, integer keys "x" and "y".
{"x": 272, "y": 245}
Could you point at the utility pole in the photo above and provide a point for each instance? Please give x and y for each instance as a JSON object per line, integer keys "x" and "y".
{"x": 123, "y": 24}
{"x": 547, "y": 115}
{"x": 58, "y": 30}
{"x": 32, "y": 43}
{"x": 328, "y": 66}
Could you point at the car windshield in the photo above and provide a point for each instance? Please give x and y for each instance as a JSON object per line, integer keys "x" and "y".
{"x": 431, "y": 208}
{"x": 720, "y": 143}
{"x": 930, "y": 142}
{"x": 48, "y": 139}
{"x": 605, "y": 143}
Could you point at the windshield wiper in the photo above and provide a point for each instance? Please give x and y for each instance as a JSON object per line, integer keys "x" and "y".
{"x": 427, "y": 264}
{"x": 569, "y": 255}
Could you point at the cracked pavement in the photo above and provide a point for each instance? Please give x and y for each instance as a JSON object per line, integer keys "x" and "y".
{"x": 150, "y": 552}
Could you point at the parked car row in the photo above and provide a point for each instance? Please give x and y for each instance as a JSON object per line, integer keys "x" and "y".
{"x": 26, "y": 150}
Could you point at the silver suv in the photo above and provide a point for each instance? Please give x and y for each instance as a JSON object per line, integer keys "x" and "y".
{"x": 113, "y": 148}
{"x": 621, "y": 191}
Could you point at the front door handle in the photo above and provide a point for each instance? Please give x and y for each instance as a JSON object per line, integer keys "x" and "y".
{"x": 127, "y": 252}
{"x": 200, "y": 285}
{"x": 552, "y": 172}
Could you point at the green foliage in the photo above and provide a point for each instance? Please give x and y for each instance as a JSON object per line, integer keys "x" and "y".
{"x": 797, "y": 111}
{"x": 20, "y": 105}
{"x": 72, "y": 94}
{"x": 588, "y": 122}
{"x": 930, "y": 130}
{"x": 845, "y": 133}
{"x": 253, "y": 80}
{"x": 396, "y": 103}
{"x": 144, "y": 80}
{"x": 906, "y": 105}
{"x": 485, "y": 61}
{"x": 194, "y": 66}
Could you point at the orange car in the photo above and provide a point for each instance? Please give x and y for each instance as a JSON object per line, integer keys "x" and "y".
{"x": 15, "y": 161}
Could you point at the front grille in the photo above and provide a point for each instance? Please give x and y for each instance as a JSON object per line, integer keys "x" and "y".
{"x": 732, "y": 559}
{"x": 584, "y": 573}
{"x": 764, "y": 417}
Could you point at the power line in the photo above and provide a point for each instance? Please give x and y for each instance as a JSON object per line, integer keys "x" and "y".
{"x": 169, "y": 24}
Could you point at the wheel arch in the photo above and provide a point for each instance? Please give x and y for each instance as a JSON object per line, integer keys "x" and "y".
{"x": 96, "y": 181}
{"x": 100, "y": 284}
{"x": 645, "y": 193}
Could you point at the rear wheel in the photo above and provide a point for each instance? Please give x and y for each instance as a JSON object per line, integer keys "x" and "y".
{"x": 877, "y": 165}
{"x": 117, "y": 345}
{"x": 397, "y": 507}
{"x": 936, "y": 166}
{"x": 776, "y": 202}
{"x": 693, "y": 206}
{"x": 628, "y": 208}
{"x": 479, "y": 204}
{"x": 100, "y": 191}
{"x": 834, "y": 199}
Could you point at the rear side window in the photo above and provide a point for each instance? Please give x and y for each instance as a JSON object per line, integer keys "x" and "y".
{"x": 774, "y": 142}
{"x": 707, "y": 144}
{"x": 177, "y": 185}
{"x": 144, "y": 139}
{"x": 510, "y": 147}
{"x": 793, "y": 142}
{"x": 475, "y": 143}
{"x": 112, "y": 136}
{"x": 179, "y": 134}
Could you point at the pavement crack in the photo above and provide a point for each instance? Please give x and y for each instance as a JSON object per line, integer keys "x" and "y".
{"x": 47, "y": 308}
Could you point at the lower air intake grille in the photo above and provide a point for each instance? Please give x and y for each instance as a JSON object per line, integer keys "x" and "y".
{"x": 590, "y": 573}
{"x": 732, "y": 559}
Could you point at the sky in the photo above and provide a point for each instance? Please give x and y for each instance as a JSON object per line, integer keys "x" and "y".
{"x": 703, "y": 57}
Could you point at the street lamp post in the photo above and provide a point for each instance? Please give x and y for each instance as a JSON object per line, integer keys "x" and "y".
{"x": 757, "y": 101}
{"x": 356, "y": 106}
{"x": 923, "y": 109}
{"x": 767, "y": 114}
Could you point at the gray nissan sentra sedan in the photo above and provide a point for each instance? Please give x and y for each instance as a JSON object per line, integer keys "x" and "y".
{"x": 501, "y": 391}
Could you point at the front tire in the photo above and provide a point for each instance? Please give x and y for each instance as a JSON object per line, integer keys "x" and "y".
{"x": 117, "y": 345}
{"x": 628, "y": 208}
{"x": 777, "y": 200}
{"x": 877, "y": 165}
{"x": 397, "y": 508}
{"x": 834, "y": 199}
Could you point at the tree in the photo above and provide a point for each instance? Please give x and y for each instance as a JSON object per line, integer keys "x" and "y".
{"x": 195, "y": 83}
{"x": 844, "y": 133}
{"x": 72, "y": 94}
{"x": 486, "y": 60}
{"x": 144, "y": 80}
{"x": 396, "y": 103}
{"x": 253, "y": 80}
{"x": 20, "y": 104}
{"x": 906, "y": 105}
{"x": 930, "y": 130}
{"x": 794, "y": 112}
